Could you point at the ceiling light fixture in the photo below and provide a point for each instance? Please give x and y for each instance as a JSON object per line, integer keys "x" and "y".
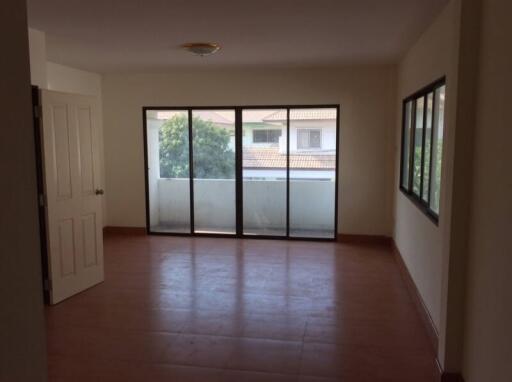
{"x": 201, "y": 48}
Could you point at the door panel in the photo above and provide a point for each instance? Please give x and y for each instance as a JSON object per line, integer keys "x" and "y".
{"x": 70, "y": 148}
{"x": 66, "y": 247}
{"x": 88, "y": 240}
{"x": 61, "y": 142}
{"x": 86, "y": 150}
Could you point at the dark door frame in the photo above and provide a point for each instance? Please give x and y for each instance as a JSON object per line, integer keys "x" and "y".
{"x": 37, "y": 115}
{"x": 238, "y": 170}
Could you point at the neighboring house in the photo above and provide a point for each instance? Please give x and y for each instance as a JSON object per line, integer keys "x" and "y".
{"x": 310, "y": 129}
{"x": 259, "y": 133}
{"x": 312, "y": 141}
{"x": 268, "y": 163}
{"x": 312, "y": 144}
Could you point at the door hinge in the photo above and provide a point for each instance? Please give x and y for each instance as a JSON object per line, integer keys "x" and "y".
{"x": 48, "y": 285}
{"x": 42, "y": 200}
{"x": 38, "y": 111}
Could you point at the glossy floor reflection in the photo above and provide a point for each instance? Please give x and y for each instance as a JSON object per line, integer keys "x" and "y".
{"x": 200, "y": 309}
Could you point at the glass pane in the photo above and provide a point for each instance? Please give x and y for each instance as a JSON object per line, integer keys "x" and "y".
{"x": 259, "y": 136}
{"x": 418, "y": 145}
{"x": 312, "y": 172}
{"x": 437, "y": 152}
{"x": 168, "y": 170}
{"x": 315, "y": 139}
{"x": 428, "y": 148}
{"x": 406, "y": 145}
{"x": 302, "y": 139}
{"x": 264, "y": 172}
{"x": 213, "y": 142}
{"x": 274, "y": 135}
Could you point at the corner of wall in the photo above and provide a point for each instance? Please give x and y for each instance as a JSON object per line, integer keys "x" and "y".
{"x": 426, "y": 248}
{"x": 37, "y": 55}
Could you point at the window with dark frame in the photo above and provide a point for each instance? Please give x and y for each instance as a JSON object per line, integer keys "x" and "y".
{"x": 184, "y": 154}
{"x": 266, "y": 136}
{"x": 309, "y": 138}
{"x": 422, "y": 145}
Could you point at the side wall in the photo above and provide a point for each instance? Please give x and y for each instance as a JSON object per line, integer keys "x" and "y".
{"x": 70, "y": 80}
{"x": 22, "y": 332}
{"x": 367, "y": 115}
{"x": 37, "y": 49}
{"x": 51, "y": 76}
{"x": 419, "y": 240}
{"x": 487, "y": 350}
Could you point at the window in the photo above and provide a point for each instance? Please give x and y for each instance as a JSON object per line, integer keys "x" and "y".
{"x": 422, "y": 143}
{"x": 201, "y": 180}
{"x": 266, "y": 136}
{"x": 309, "y": 138}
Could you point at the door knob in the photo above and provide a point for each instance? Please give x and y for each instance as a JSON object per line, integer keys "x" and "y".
{"x": 99, "y": 191}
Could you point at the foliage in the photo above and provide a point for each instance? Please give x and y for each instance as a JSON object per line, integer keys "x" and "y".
{"x": 213, "y": 158}
{"x": 436, "y": 171}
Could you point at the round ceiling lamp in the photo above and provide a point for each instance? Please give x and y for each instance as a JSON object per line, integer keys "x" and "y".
{"x": 201, "y": 48}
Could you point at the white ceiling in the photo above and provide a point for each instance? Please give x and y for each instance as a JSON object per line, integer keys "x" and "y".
{"x": 144, "y": 35}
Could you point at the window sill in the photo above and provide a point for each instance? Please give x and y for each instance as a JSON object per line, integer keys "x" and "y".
{"x": 422, "y": 206}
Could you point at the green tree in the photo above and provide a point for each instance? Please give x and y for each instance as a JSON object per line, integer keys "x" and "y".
{"x": 213, "y": 158}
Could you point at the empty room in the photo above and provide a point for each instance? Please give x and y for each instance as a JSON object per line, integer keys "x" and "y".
{"x": 295, "y": 191}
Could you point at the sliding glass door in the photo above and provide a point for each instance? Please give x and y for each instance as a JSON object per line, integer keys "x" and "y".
{"x": 245, "y": 172}
{"x": 168, "y": 171}
{"x": 213, "y": 153}
{"x": 264, "y": 163}
{"x": 313, "y": 137}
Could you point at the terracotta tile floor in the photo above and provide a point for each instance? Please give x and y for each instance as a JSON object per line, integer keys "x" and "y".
{"x": 201, "y": 309}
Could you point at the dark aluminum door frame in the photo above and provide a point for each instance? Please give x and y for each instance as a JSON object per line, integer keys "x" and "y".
{"x": 239, "y": 170}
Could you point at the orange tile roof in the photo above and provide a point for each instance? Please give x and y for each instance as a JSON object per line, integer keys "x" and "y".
{"x": 302, "y": 115}
{"x": 271, "y": 158}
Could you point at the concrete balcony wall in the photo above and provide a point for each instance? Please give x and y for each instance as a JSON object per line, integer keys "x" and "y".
{"x": 311, "y": 203}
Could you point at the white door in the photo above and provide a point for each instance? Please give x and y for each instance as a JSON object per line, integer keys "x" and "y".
{"x": 73, "y": 193}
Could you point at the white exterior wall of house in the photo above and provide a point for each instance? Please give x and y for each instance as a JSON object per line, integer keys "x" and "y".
{"x": 327, "y": 127}
{"x": 328, "y": 135}
{"x": 297, "y": 174}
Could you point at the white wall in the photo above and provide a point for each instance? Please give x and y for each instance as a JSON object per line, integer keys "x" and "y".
{"x": 367, "y": 115}
{"x": 153, "y": 127}
{"x": 421, "y": 242}
{"x": 488, "y": 333}
{"x": 52, "y": 76}
{"x": 22, "y": 327}
{"x": 37, "y": 49}
{"x": 70, "y": 80}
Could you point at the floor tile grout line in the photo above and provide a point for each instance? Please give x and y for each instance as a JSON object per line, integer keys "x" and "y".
{"x": 223, "y": 369}
{"x": 185, "y": 365}
{"x": 302, "y": 347}
{"x": 181, "y": 332}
